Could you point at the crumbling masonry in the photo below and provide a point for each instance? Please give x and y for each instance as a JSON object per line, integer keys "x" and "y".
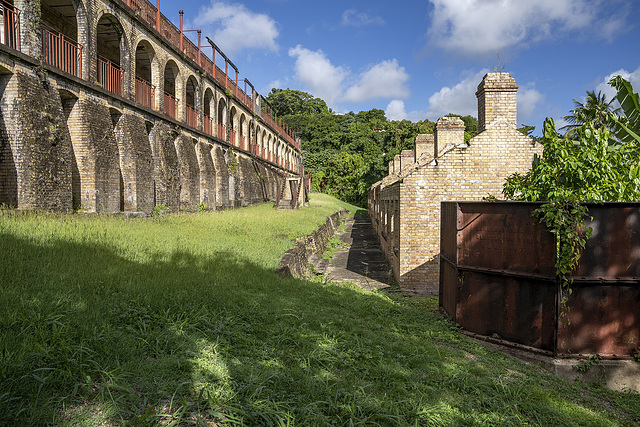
{"x": 405, "y": 206}
{"x": 105, "y": 106}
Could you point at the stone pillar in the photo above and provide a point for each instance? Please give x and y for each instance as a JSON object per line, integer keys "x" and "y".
{"x": 391, "y": 169}
{"x": 396, "y": 164}
{"x": 407, "y": 158}
{"x": 425, "y": 146}
{"x": 496, "y": 98}
{"x": 449, "y": 131}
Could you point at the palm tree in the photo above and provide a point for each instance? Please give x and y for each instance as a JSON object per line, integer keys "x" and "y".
{"x": 596, "y": 109}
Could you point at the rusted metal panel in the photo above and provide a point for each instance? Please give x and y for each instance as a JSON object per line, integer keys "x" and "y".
{"x": 500, "y": 279}
{"x": 603, "y": 319}
{"x": 504, "y": 236}
{"x": 515, "y": 309}
{"x": 613, "y": 251}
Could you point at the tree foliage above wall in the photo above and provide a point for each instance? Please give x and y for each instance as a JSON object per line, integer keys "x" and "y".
{"x": 345, "y": 153}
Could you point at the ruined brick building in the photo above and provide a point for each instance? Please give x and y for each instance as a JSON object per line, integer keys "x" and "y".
{"x": 106, "y": 106}
{"x": 405, "y": 206}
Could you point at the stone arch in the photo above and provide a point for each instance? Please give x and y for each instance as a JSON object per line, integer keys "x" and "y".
{"x": 170, "y": 80}
{"x": 263, "y": 141}
{"x": 222, "y": 119}
{"x": 144, "y": 74}
{"x": 190, "y": 98}
{"x": 208, "y": 111}
{"x": 243, "y": 136}
{"x": 66, "y": 20}
{"x": 233, "y": 126}
{"x": 112, "y": 54}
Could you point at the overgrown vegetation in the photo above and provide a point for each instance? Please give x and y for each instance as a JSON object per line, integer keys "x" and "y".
{"x": 115, "y": 321}
{"x": 587, "y": 164}
{"x": 347, "y": 153}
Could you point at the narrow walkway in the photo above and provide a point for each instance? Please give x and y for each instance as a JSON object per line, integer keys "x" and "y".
{"x": 361, "y": 262}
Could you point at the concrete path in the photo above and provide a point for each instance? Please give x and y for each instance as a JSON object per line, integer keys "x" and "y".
{"x": 361, "y": 262}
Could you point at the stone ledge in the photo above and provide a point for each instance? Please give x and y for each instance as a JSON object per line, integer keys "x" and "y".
{"x": 295, "y": 262}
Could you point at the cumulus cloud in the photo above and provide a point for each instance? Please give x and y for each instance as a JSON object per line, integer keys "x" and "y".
{"x": 395, "y": 110}
{"x": 353, "y": 18}
{"x": 528, "y": 100}
{"x": 473, "y": 27}
{"x": 235, "y": 28}
{"x": 633, "y": 78}
{"x": 458, "y": 99}
{"x": 315, "y": 71}
{"x": 386, "y": 79}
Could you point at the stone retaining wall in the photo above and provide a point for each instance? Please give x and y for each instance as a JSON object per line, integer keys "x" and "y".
{"x": 295, "y": 262}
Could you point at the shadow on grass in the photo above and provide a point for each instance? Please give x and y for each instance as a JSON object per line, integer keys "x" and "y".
{"x": 90, "y": 335}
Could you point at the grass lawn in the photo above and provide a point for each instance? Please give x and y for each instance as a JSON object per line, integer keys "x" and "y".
{"x": 181, "y": 320}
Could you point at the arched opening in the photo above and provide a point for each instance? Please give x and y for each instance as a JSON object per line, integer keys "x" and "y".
{"x": 222, "y": 119}
{"x": 233, "y": 117}
{"x": 108, "y": 42}
{"x": 243, "y": 132}
{"x": 207, "y": 113}
{"x": 69, "y": 100}
{"x": 9, "y": 27}
{"x": 171, "y": 72}
{"x": 60, "y": 46}
{"x": 262, "y": 144}
{"x": 190, "y": 101}
{"x": 145, "y": 90}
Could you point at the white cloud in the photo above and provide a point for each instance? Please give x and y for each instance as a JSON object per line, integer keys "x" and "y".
{"x": 316, "y": 71}
{"x": 474, "y": 27}
{"x": 528, "y": 100}
{"x": 386, "y": 79}
{"x": 633, "y": 78}
{"x": 459, "y": 99}
{"x": 395, "y": 110}
{"x": 353, "y": 18}
{"x": 235, "y": 28}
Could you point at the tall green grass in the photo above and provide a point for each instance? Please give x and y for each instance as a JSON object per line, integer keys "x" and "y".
{"x": 180, "y": 320}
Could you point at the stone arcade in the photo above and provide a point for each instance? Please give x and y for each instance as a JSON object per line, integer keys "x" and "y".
{"x": 107, "y": 107}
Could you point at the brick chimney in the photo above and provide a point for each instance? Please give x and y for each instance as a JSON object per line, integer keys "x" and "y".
{"x": 449, "y": 131}
{"x": 396, "y": 164}
{"x": 496, "y": 97}
{"x": 407, "y": 157}
{"x": 425, "y": 144}
{"x": 391, "y": 170}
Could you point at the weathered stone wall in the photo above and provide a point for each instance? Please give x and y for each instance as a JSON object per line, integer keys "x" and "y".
{"x": 36, "y": 154}
{"x": 405, "y": 207}
{"x": 68, "y": 141}
{"x": 295, "y": 262}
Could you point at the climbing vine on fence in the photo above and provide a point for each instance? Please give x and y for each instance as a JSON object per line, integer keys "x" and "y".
{"x": 571, "y": 172}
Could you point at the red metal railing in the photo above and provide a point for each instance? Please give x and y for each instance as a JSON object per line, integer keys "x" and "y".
{"x": 11, "y": 20}
{"x": 232, "y": 137}
{"x": 61, "y": 52}
{"x": 207, "y": 124}
{"x": 146, "y": 10}
{"x": 192, "y": 116}
{"x": 145, "y": 93}
{"x": 242, "y": 142}
{"x": 151, "y": 14}
{"x": 110, "y": 76}
{"x": 170, "y": 105}
{"x": 222, "y": 133}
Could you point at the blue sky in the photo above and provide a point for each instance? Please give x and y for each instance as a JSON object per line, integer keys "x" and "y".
{"x": 424, "y": 59}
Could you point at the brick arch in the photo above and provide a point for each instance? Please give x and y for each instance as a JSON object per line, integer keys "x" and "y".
{"x": 170, "y": 84}
{"x": 208, "y": 110}
{"x": 113, "y": 56}
{"x": 145, "y": 73}
{"x": 233, "y": 125}
{"x": 191, "y": 100}
{"x": 72, "y": 21}
{"x": 222, "y": 118}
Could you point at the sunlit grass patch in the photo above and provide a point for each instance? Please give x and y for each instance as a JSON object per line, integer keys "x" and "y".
{"x": 181, "y": 319}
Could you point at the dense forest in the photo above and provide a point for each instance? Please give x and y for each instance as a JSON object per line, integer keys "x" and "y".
{"x": 346, "y": 153}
